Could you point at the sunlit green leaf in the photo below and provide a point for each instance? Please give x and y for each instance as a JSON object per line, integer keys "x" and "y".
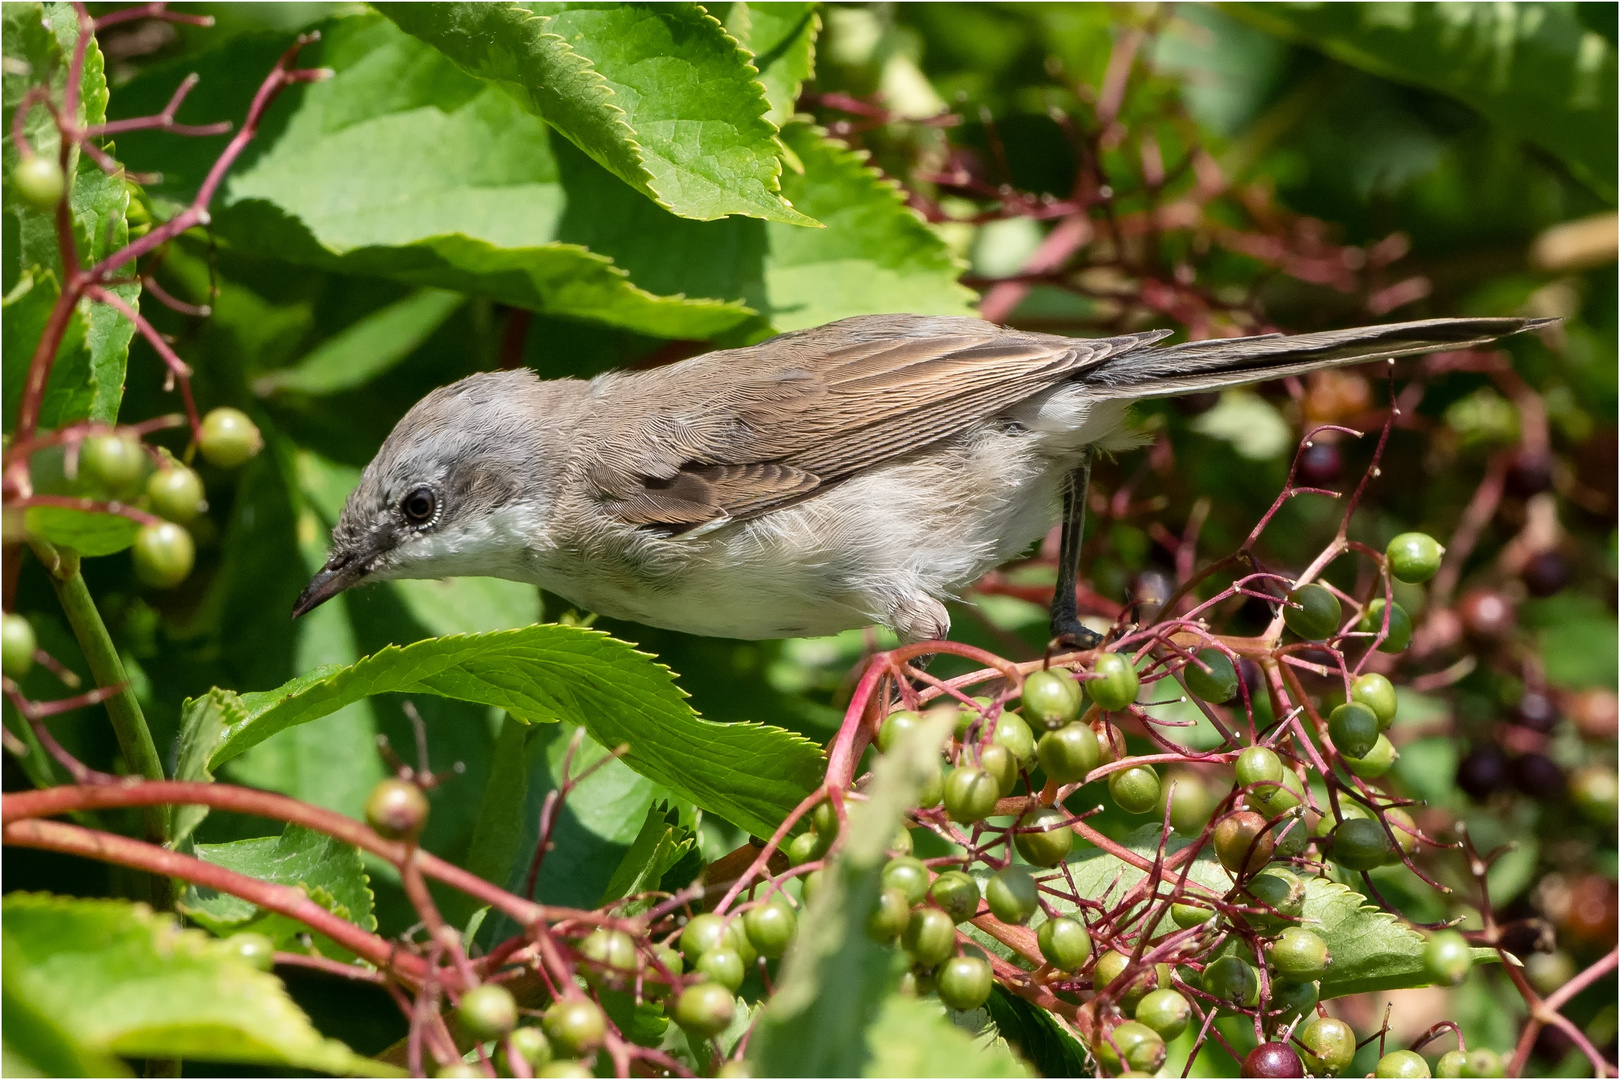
{"x": 87, "y": 532}
{"x": 367, "y": 348}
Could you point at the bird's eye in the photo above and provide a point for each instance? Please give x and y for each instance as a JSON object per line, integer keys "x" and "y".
{"x": 419, "y": 506}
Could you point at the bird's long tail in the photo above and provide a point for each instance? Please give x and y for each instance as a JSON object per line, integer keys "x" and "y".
{"x": 1196, "y": 366}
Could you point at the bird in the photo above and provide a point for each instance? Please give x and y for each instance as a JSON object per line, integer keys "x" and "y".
{"x": 859, "y": 473}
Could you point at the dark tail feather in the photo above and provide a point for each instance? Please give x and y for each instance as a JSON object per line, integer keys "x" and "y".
{"x": 1197, "y": 366}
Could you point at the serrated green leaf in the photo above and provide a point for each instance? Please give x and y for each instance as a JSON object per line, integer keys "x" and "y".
{"x": 913, "y": 1037}
{"x": 749, "y": 774}
{"x": 1533, "y": 69}
{"x": 399, "y": 166}
{"x": 128, "y": 981}
{"x": 1043, "y": 1040}
{"x": 875, "y": 255}
{"x": 657, "y": 94}
{"x": 202, "y": 729}
{"x": 782, "y": 39}
{"x": 35, "y": 1043}
{"x": 328, "y": 870}
{"x": 1371, "y": 949}
{"x": 835, "y": 978}
{"x": 366, "y": 348}
{"x": 662, "y": 842}
{"x": 84, "y": 531}
{"x": 87, "y": 380}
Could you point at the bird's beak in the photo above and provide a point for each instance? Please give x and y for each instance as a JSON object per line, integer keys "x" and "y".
{"x": 339, "y": 573}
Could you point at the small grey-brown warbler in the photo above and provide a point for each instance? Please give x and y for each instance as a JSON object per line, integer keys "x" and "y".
{"x": 857, "y": 473}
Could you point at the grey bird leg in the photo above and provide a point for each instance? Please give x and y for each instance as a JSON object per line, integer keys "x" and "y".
{"x": 1066, "y": 627}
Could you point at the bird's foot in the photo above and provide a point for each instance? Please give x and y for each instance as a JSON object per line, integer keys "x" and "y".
{"x": 1072, "y": 634}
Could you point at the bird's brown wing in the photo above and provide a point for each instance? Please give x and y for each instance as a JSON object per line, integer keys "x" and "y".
{"x": 735, "y": 434}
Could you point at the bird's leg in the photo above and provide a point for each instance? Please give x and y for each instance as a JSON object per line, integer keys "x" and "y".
{"x": 1066, "y": 627}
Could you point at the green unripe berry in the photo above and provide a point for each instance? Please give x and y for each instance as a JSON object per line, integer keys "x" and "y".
{"x": 1187, "y": 916}
{"x": 1358, "y": 844}
{"x": 1012, "y": 895}
{"x": 1133, "y": 1045}
{"x": 613, "y": 949}
{"x": 1482, "y": 1063}
{"x": 907, "y": 874}
{"x": 806, "y": 847}
{"x": 1402, "y": 1065}
{"x": 1188, "y": 801}
{"x": 1233, "y": 981}
{"x": 1400, "y": 626}
{"x": 1165, "y": 1011}
{"x": 970, "y": 795}
{"x": 113, "y": 462}
{"x": 811, "y": 884}
{"x": 561, "y": 1069}
{"x": 770, "y": 928}
{"x": 457, "y": 1070}
{"x": 1069, "y": 753}
{"x": 1064, "y": 942}
{"x": 1299, "y": 954}
{"x": 252, "y": 948}
{"x": 397, "y": 809}
{"x": 1291, "y": 999}
{"x": 964, "y": 982}
{"x": 722, "y": 965}
{"x": 1135, "y": 790}
{"x": 164, "y": 554}
{"x": 824, "y": 819}
{"x": 1447, "y": 957}
{"x": 1115, "y": 683}
{"x": 1109, "y": 966}
{"x": 1014, "y": 734}
{"x": 705, "y": 1009}
{"x": 1414, "y": 557}
{"x": 1257, "y": 765}
{"x": 487, "y": 1012}
{"x": 1312, "y": 612}
{"x": 575, "y": 1026}
{"x": 229, "y": 439}
{"x": 1242, "y": 842}
{"x": 1329, "y": 1046}
{"x": 930, "y": 936}
{"x": 531, "y": 1044}
{"x": 1052, "y": 844}
{"x": 1279, "y": 889}
{"x": 1051, "y": 698}
{"x": 176, "y": 493}
{"x": 1271, "y": 799}
{"x": 888, "y": 920}
{"x": 1378, "y": 761}
{"x": 17, "y": 645}
{"x": 1378, "y": 694}
{"x": 702, "y": 934}
{"x": 38, "y": 180}
{"x": 895, "y": 725}
{"x": 1354, "y": 729}
{"x": 1211, "y": 676}
{"x": 957, "y": 895}
{"x": 1450, "y": 1065}
{"x": 1405, "y": 830}
{"x": 999, "y": 762}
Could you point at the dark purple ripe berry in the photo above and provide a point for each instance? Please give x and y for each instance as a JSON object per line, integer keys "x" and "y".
{"x": 1529, "y": 473}
{"x": 1545, "y": 573}
{"x": 1320, "y": 465}
{"x": 1273, "y": 1059}
{"x": 1483, "y": 770}
{"x": 1536, "y": 711}
{"x": 1538, "y": 776}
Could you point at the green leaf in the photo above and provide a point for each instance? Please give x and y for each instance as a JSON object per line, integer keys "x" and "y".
{"x": 128, "y": 981}
{"x": 202, "y": 729}
{"x": 875, "y": 255}
{"x": 469, "y": 605}
{"x": 1038, "y": 1035}
{"x": 87, "y": 380}
{"x": 502, "y": 822}
{"x": 84, "y": 531}
{"x": 35, "y": 1044}
{"x": 1371, "y": 949}
{"x": 399, "y": 166}
{"x": 835, "y": 978}
{"x": 328, "y": 870}
{"x": 913, "y": 1037}
{"x": 662, "y": 842}
{"x": 367, "y": 348}
{"x": 749, "y": 774}
{"x": 1535, "y": 70}
{"x": 657, "y": 94}
{"x": 782, "y": 39}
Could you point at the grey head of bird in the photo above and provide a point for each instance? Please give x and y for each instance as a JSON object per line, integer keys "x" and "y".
{"x": 458, "y": 474}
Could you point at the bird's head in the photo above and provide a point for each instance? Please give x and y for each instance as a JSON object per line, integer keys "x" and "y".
{"x": 448, "y": 494}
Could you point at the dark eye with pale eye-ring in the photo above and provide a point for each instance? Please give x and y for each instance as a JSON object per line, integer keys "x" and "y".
{"x": 419, "y": 506}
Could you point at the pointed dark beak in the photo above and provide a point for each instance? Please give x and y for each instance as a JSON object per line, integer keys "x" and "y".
{"x": 341, "y": 572}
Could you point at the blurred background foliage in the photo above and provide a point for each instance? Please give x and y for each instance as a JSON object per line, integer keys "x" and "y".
{"x": 404, "y": 225}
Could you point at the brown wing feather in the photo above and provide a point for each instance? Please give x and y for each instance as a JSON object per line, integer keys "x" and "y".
{"x": 737, "y": 433}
